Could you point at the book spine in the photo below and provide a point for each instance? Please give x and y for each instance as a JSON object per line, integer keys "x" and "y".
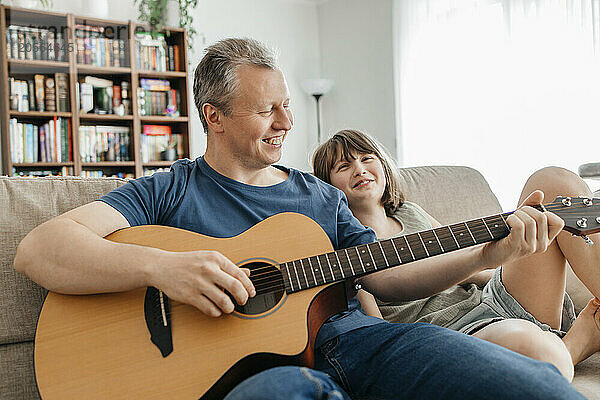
{"x": 31, "y": 95}
{"x": 39, "y": 92}
{"x": 8, "y": 45}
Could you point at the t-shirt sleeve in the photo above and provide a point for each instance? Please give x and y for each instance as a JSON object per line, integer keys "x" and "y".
{"x": 147, "y": 200}
{"x": 350, "y": 231}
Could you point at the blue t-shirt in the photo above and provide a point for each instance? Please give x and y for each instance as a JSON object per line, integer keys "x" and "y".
{"x": 195, "y": 197}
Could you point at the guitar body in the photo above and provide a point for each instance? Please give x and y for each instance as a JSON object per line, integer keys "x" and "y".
{"x": 98, "y": 346}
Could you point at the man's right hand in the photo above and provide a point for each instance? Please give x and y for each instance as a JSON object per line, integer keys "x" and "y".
{"x": 200, "y": 278}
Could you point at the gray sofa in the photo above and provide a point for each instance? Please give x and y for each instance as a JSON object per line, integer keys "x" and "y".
{"x": 450, "y": 194}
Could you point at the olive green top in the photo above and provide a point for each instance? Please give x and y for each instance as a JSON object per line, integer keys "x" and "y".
{"x": 441, "y": 309}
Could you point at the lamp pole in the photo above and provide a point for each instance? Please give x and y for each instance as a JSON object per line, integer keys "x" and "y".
{"x": 317, "y": 98}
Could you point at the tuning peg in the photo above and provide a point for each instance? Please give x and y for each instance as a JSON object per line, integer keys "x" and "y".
{"x": 587, "y": 240}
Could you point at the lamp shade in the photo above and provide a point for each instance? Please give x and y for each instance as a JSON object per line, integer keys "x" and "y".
{"x": 316, "y": 86}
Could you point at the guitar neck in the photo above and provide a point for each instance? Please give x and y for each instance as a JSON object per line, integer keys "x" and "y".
{"x": 360, "y": 260}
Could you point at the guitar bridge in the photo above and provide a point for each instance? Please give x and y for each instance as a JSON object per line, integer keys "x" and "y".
{"x": 158, "y": 320}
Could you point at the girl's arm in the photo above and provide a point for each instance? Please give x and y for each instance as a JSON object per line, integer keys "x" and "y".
{"x": 531, "y": 232}
{"x": 478, "y": 278}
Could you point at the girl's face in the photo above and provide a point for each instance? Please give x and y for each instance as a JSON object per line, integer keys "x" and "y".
{"x": 362, "y": 179}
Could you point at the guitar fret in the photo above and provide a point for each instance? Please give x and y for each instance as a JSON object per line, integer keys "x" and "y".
{"x": 349, "y": 261}
{"x": 297, "y": 278}
{"x": 359, "y": 259}
{"x": 488, "y": 228}
{"x": 454, "y": 237}
{"x": 372, "y": 259}
{"x": 504, "y": 220}
{"x": 330, "y": 269}
{"x": 304, "y": 273}
{"x": 497, "y": 226}
{"x": 415, "y": 244}
{"x": 396, "y": 250}
{"x": 287, "y": 268}
{"x": 340, "y": 264}
{"x": 445, "y": 236}
{"x": 470, "y": 233}
{"x": 313, "y": 272}
{"x": 423, "y": 243}
{"x": 479, "y": 231}
{"x": 320, "y": 269}
{"x": 383, "y": 254}
{"x": 462, "y": 236}
{"x": 409, "y": 248}
{"x": 438, "y": 240}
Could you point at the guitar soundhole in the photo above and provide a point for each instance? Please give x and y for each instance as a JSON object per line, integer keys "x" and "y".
{"x": 268, "y": 283}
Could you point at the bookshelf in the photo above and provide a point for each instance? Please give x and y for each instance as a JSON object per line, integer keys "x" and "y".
{"x": 102, "y": 59}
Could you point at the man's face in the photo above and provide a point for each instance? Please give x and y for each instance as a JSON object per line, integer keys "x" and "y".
{"x": 256, "y": 128}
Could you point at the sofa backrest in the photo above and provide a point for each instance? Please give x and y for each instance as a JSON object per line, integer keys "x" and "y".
{"x": 24, "y": 204}
{"x": 449, "y": 193}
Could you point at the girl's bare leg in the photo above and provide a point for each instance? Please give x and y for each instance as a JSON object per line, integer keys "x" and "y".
{"x": 527, "y": 338}
{"x": 538, "y": 281}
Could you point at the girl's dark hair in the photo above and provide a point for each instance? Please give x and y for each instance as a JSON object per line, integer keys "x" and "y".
{"x": 347, "y": 143}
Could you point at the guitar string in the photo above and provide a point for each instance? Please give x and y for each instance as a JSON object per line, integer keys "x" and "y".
{"x": 442, "y": 235}
{"x": 271, "y": 279}
{"x": 475, "y": 230}
{"x": 274, "y": 280}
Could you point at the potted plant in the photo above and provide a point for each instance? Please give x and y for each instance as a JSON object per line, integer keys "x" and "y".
{"x": 154, "y": 13}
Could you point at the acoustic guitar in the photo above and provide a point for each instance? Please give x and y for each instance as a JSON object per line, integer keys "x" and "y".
{"x": 140, "y": 345}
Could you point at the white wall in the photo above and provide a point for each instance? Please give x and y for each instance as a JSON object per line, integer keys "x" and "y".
{"x": 291, "y": 27}
{"x": 356, "y": 52}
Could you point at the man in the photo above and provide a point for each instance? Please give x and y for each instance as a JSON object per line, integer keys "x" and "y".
{"x": 244, "y": 105}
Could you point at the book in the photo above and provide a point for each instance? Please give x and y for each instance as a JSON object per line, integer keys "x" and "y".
{"x": 156, "y": 130}
{"x": 31, "y": 95}
{"x": 62, "y": 91}
{"x": 40, "y": 102}
{"x": 87, "y": 97}
{"x": 8, "y": 45}
{"x": 155, "y": 84}
{"x": 50, "y": 94}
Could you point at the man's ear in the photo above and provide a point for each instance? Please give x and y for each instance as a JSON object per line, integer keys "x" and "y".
{"x": 213, "y": 116}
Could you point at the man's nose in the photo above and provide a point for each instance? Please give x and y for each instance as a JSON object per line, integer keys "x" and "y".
{"x": 284, "y": 120}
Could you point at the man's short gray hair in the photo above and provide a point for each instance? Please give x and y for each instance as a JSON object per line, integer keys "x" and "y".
{"x": 215, "y": 79}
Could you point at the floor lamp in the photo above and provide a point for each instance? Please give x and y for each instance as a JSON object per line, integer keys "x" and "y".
{"x": 317, "y": 88}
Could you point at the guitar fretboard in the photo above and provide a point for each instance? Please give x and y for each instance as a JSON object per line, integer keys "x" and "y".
{"x": 359, "y": 260}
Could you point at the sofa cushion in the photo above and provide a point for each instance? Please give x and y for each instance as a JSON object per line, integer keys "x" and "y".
{"x": 17, "y": 379}
{"x": 24, "y": 204}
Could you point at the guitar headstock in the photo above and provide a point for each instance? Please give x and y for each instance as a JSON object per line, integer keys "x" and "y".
{"x": 581, "y": 214}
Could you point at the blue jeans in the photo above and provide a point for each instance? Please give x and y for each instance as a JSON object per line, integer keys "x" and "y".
{"x": 409, "y": 361}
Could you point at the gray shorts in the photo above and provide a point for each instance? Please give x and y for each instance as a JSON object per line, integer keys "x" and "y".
{"x": 497, "y": 304}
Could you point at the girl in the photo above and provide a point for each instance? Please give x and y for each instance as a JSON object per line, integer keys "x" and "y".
{"x": 523, "y": 305}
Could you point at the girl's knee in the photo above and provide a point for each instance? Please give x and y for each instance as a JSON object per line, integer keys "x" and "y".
{"x": 555, "y": 181}
{"x": 529, "y": 340}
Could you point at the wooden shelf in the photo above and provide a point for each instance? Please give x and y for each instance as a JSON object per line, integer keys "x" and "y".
{"x": 105, "y": 117}
{"x": 92, "y": 69}
{"x": 44, "y": 164}
{"x": 39, "y": 114}
{"x": 162, "y": 119}
{"x": 163, "y": 75}
{"x": 158, "y": 163}
{"x": 37, "y": 63}
{"x": 26, "y": 69}
{"x": 108, "y": 164}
